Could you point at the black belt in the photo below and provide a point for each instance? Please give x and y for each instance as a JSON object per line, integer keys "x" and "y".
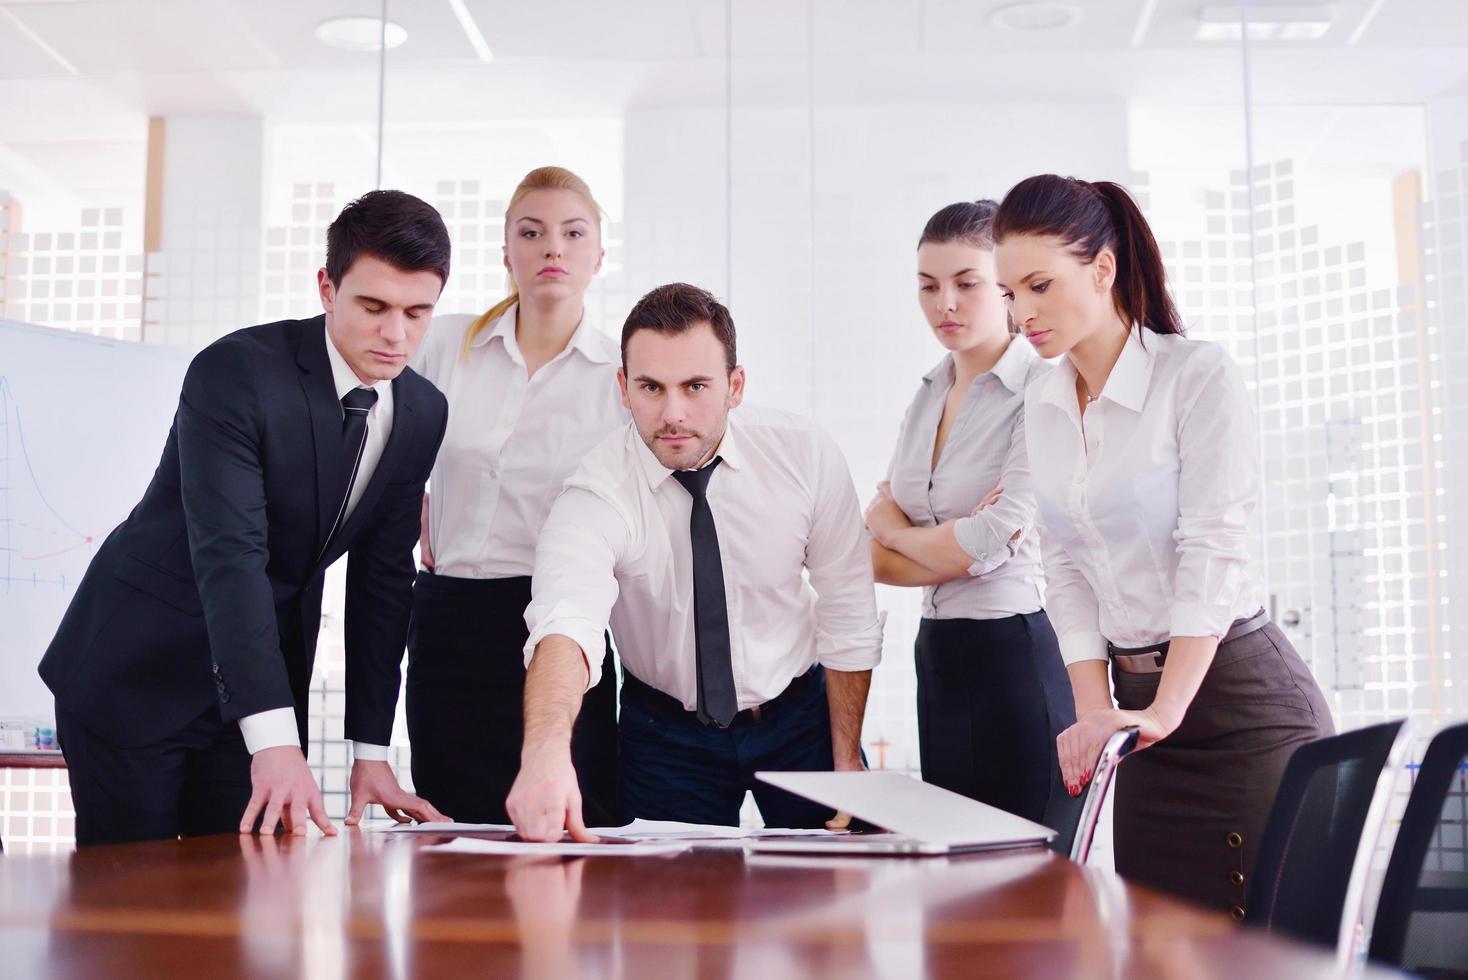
{"x": 1149, "y": 660}
{"x": 653, "y": 699}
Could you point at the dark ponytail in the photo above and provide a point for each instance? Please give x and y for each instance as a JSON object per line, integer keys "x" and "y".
{"x": 1088, "y": 217}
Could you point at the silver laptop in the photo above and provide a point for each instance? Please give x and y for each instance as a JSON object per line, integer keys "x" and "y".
{"x": 921, "y": 818}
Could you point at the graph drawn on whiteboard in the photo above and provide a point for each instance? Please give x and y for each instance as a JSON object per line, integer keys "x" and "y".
{"x": 82, "y": 425}
{"x": 34, "y": 538}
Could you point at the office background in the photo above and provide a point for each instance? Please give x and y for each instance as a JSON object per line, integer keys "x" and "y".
{"x": 168, "y": 169}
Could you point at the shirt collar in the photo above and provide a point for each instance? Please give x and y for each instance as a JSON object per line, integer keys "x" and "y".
{"x": 1131, "y": 374}
{"x": 1012, "y": 369}
{"x": 1126, "y": 385}
{"x": 731, "y": 449}
{"x": 342, "y": 374}
{"x": 582, "y": 340}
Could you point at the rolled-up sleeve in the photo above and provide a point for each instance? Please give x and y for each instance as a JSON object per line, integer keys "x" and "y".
{"x": 993, "y": 535}
{"x": 1218, "y": 485}
{"x": 575, "y": 584}
{"x": 848, "y": 628}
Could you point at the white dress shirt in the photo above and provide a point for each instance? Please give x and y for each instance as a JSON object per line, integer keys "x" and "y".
{"x": 277, "y": 726}
{"x": 1145, "y": 508}
{"x": 797, "y": 573}
{"x": 511, "y": 440}
{"x": 985, "y": 445}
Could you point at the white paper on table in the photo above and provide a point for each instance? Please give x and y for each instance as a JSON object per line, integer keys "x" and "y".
{"x": 446, "y": 827}
{"x": 642, "y": 831}
{"x": 480, "y": 845}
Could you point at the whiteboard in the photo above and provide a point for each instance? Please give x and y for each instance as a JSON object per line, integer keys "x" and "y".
{"x": 82, "y": 425}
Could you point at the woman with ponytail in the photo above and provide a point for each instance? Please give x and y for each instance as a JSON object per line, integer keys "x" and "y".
{"x": 955, "y": 517}
{"x": 531, "y": 385}
{"x": 1143, "y": 458}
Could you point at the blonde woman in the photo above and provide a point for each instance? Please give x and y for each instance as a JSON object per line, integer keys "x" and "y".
{"x": 531, "y": 386}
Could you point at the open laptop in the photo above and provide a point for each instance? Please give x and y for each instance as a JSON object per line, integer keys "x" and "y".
{"x": 921, "y": 818}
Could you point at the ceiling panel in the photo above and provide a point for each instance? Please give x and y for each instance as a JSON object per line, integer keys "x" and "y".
{"x": 144, "y": 35}
{"x": 966, "y": 25}
{"x": 20, "y": 56}
{"x": 1399, "y": 23}
{"x": 600, "y": 30}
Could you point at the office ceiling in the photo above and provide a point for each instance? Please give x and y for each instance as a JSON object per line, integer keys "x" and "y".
{"x": 74, "y": 69}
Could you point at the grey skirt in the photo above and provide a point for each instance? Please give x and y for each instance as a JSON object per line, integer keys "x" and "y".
{"x": 1190, "y": 809}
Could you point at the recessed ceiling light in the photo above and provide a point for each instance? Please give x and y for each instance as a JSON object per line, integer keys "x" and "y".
{"x": 1034, "y": 16}
{"x": 360, "y": 33}
{"x": 1274, "y": 22}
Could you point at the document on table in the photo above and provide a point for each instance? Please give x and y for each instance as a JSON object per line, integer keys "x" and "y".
{"x": 606, "y": 847}
{"x": 637, "y": 837}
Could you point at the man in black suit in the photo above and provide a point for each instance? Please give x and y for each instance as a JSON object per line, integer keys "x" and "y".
{"x": 181, "y": 667}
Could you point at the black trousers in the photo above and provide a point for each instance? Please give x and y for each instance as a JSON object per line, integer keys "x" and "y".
{"x": 465, "y": 687}
{"x": 993, "y": 695}
{"x": 674, "y": 767}
{"x": 194, "y": 782}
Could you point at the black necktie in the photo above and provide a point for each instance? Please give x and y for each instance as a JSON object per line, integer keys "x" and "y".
{"x": 355, "y": 404}
{"x": 716, "y": 699}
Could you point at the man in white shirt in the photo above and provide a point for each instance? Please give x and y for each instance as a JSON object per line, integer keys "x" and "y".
{"x": 726, "y": 552}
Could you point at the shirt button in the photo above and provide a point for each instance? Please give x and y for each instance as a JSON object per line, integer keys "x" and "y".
{"x": 1237, "y": 912}
{"x": 1235, "y": 840}
{"x": 477, "y": 572}
{"x": 1236, "y": 877}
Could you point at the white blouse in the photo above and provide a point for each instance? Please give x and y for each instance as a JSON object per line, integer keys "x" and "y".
{"x": 511, "y": 440}
{"x": 985, "y": 445}
{"x": 1145, "y": 503}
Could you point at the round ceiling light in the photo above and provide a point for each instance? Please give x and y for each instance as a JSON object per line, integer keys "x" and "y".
{"x": 360, "y": 33}
{"x": 1033, "y": 17}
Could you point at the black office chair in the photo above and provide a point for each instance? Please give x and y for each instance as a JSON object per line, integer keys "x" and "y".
{"x": 1074, "y": 819}
{"x": 1422, "y": 916}
{"x": 1309, "y": 881}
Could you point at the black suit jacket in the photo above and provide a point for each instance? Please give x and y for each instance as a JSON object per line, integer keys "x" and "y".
{"x": 210, "y": 590}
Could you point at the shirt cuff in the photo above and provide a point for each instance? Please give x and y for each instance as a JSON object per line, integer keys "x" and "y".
{"x": 270, "y": 729}
{"x": 852, "y": 651}
{"x": 367, "y": 752}
{"x": 584, "y": 633}
{"x": 1075, "y": 647}
{"x": 1201, "y": 619}
{"x": 987, "y": 549}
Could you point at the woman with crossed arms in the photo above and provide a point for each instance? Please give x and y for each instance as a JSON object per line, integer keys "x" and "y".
{"x": 955, "y": 518}
{"x": 1143, "y": 460}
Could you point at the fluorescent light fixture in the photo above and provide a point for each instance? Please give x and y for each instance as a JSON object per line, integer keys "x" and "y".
{"x": 1267, "y": 22}
{"x": 471, "y": 31}
{"x": 360, "y": 33}
{"x": 1035, "y": 16}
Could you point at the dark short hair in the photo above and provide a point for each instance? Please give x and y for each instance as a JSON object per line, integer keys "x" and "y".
{"x": 678, "y": 307}
{"x": 398, "y": 228}
{"x": 971, "y": 222}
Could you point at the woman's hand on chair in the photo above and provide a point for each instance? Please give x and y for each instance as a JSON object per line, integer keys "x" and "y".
{"x": 1079, "y": 746}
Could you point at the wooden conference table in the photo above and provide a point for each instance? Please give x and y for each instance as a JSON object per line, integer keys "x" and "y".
{"x": 369, "y": 904}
